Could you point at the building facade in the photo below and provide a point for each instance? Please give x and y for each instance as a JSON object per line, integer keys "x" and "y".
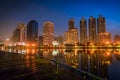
{"x": 92, "y": 29}
{"x": 101, "y": 26}
{"x": 19, "y": 34}
{"x": 117, "y": 39}
{"x": 59, "y": 39}
{"x": 71, "y": 24}
{"x": 32, "y": 32}
{"x": 104, "y": 38}
{"x": 16, "y": 35}
{"x": 48, "y": 33}
{"x": 71, "y": 37}
{"x": 83, "y": 30}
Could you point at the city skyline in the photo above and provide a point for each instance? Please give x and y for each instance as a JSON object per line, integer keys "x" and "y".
{"x": 17, "y": 11}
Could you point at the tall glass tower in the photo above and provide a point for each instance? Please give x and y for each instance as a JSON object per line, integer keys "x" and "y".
{"x": 32, "y": 31}
{"x": 101, "y": 28}
{"x": 92, "y": 29}
{"x": 71, "y": 24}
{"x": 83, "y": 30}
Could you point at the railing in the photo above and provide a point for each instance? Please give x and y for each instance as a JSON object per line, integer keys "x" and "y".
{"x": 90, "y": 76}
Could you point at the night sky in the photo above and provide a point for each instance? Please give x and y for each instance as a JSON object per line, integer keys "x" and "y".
{"x": 13, "y": 12}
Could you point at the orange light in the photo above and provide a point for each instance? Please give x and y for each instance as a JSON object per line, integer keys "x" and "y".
{"x": 27, "y": 45}
{"x": 28, "y": 51}
{"x": 108, "y": 53}
{"x": 33, "y": 51}
{"x": 33, "y": 44}
{"x": 107, "y": 42}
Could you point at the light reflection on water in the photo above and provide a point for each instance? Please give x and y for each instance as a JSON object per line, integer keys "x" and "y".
{"x": 102, "y": 62}
{"x": 97, "y": 62}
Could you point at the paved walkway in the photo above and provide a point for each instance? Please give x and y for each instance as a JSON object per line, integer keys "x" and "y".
{"x": 15, "y": 66}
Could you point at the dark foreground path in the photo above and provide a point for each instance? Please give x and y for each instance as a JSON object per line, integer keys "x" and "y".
{"x": 15, "y": 66}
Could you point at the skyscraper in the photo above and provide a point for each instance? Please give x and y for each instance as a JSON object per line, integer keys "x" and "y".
{"x": 101, "y": 25}
{"x": 71, "y": 37}
{"x": 92, "y": 29}
{"x": 74, "y": 35}
{"x": 16, "y": 35}
{"x": 71, "y": 24}
{"x": 83, "y": 30}
{"x": 32, "y": 31}
{"x": 19, "y": 34}
{"x": 22, "y": 28}
{"x": 48, "y": 33}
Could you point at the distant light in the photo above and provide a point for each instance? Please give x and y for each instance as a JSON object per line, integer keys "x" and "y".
{"x": 23, "y": 43}
{"x": 27, "y": 50}
{"x": 7, "y": 39}
{"x": 33, "y": 44}
{"x": 27, "y": 45}
{"x": 107, "y": 42}
{"x": 108, "y": 53}
{"x": 10, "y": 44}
{"x": 14, "y": 44}
{"x": 2, "y": 48}
{"x": 55, "y": 43}
{"x": 55, "y": 52}
{"x": 33, "y": 51}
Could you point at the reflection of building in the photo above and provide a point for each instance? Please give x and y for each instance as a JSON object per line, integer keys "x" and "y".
{"x": 84, "y": 61}
{"x": 96, "y": 63}
{"x": 19, "y": 33}
{"x": 101, "y": 24}
{"x": 92, "y": 29}
{"x": 116, "y": 38}
{"x": 71, "y": 36}
{"x": 71, "y": 58}
{"x": 32, "y": 31}
{"x": 104, "y": 38}
{"x": 83, "y": 30}
{"x": 48, "y": 33}
{"x": 71, "y": 24}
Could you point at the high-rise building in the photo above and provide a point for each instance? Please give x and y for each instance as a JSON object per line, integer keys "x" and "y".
{"x": 16, "y": 35}
{"x": 71, "y": 24}
{"x": 22, "y": 28}
{"x": 48, "y": 33}
{"x": 71, "y": 37}
{"x": 101, "y": 24}
{"x": 32, "y": 32}
{"x": 74, "y": 35}
{"x": 104, "y": 38}
{"x": 83, "y": 30}
{"x": 67, "y": 37}
{"x": 19, "y": 34}
{"x": 92, "y": 29}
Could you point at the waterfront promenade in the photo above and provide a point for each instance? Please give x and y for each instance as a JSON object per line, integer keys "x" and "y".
{"x": 14, "y": 66}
